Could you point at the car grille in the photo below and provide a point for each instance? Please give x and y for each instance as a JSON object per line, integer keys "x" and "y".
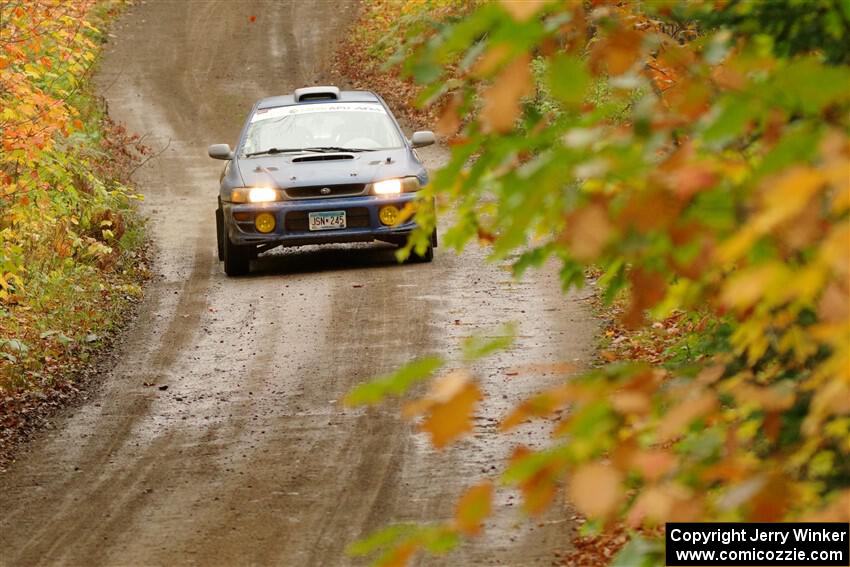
{"x": 355, "y": 217}
{"x": 315, "y": 191}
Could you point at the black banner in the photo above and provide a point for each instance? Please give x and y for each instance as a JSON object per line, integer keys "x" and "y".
{"x": 816, "y": 544}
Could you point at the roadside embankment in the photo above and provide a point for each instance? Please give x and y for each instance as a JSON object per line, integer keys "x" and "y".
{"x": 72, "y": 256}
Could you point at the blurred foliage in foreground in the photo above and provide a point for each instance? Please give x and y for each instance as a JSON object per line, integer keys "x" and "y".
{"x": 697, "y": 154}
{"x": 69, "y": 241}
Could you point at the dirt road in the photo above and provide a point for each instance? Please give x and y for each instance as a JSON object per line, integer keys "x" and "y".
{"x": 248, "y": 457}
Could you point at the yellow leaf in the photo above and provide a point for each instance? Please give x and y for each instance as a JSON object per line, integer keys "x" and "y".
{"x": 775, "y": 398}
{"x": 749, "y": 286}
{"x": 787, "y": 196}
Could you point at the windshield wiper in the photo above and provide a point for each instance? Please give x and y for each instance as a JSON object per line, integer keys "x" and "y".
{"x": 272, "y": 151}
{"x": 335, "y": 149}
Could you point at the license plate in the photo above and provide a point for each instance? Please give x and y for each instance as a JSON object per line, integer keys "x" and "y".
{"x": 326, "y": 220}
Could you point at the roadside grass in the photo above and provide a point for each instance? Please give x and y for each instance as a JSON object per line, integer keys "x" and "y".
{"x": 72, "y": 247}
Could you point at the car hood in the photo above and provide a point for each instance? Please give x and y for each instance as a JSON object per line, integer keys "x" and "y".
{"x": 309, "y": 168}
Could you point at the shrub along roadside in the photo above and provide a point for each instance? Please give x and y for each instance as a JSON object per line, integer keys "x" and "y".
{"x": 373, "y": 42}
{"x": 71, "y": 245}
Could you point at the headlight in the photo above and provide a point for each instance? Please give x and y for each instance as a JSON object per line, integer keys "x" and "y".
{"x": 254, "y": 195}
{"x": 387, "y": 187}
{"x": 395, "y": 186}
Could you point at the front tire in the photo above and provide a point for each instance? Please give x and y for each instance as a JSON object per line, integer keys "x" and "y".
{"x": 415, "y": 258}
{"x": 219, "y": 233}
{"x": 237, "y": 259}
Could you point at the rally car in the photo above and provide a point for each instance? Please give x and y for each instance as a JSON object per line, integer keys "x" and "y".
{"x": 317, "y": 166}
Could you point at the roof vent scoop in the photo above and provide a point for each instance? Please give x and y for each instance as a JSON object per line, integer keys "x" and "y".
{"x": 316, "y": 93}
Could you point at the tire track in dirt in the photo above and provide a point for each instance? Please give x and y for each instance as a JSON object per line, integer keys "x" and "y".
{"x": 249, "y": 457}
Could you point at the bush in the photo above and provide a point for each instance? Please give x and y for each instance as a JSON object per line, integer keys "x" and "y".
{"x": 70, "y": 241}
{"x": 698, "y": 173}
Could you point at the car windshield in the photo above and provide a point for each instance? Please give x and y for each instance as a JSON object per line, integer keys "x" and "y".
{"x": 354, "y": 126}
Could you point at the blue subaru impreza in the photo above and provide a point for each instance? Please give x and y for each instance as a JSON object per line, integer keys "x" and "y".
{"x": 317, "y": 166}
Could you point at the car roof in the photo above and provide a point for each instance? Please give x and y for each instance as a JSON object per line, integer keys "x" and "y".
{"x": 344, "y": 96}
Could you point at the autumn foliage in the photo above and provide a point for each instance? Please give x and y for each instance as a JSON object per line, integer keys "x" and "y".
{"x": 701, "y": 166}
{"x": 68, "y": 238}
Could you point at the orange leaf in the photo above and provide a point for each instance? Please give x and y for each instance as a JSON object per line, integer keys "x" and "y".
{"x": 501, "y": 100}
{"x": 543, "y": 368}
{"x": 449, "y": 121}
{"x": 691, "y": 179}
{"x": 588, "y": 231}
{"x": 539, "y": 490}
{"x": 541, "y": 405}
{"x": 653, "y": 464}
{"x": 654, "y": 503}
{"x": 491, "y": 61}
{"x": 521, "y": 10}
{"x": 448, "y": 407}
{"x": 648, "y": 288}
{"x": 400, "y": 556}
{"x": 690, "y": 99}
{"x": 596, "y": 489}
{"x": 618, "y": 51}
{"x": 678, "y": 418}
{"x": 473, "y": 507}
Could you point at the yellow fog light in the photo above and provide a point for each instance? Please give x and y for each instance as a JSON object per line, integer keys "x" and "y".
{"x": 388, "y": 215}
{"x": 264, "y": 222}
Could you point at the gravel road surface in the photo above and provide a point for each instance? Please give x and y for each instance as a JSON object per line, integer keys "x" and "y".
{"x": 248, "y": 457}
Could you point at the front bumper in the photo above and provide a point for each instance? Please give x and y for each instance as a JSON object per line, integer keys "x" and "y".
{"x": 291, "y": 227}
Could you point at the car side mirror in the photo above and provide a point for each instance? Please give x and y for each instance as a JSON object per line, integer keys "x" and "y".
{"x": 220, "y": 151}
{"x": 422, "y": 138}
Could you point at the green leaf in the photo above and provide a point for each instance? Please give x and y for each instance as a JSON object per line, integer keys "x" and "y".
{"x": 732, "y": 118}
{"x": 439, "y": 540}
{"x": 571, "y": 275}
{"x": 639, "y": 552}
{"x": 479, "y": 346}
{"x": 381, "y": 538}
{"x": 15, "y": 345}
{"x": 526, "y": 467}
{"x": 396, "y": 383}
{"x": 568, "y": 79}
{"x": 613, "y": 280}
{"x": 533, "y": 258}
{"x": 810, "y": 86}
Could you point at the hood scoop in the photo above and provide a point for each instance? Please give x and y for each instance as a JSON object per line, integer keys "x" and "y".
{"x": 322, "y": 157}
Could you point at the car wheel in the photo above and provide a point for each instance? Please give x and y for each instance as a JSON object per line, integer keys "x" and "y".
{"x": 237, "y": 259}
{"x": 219, "y": 233}
{"x": 424, "y": 259}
